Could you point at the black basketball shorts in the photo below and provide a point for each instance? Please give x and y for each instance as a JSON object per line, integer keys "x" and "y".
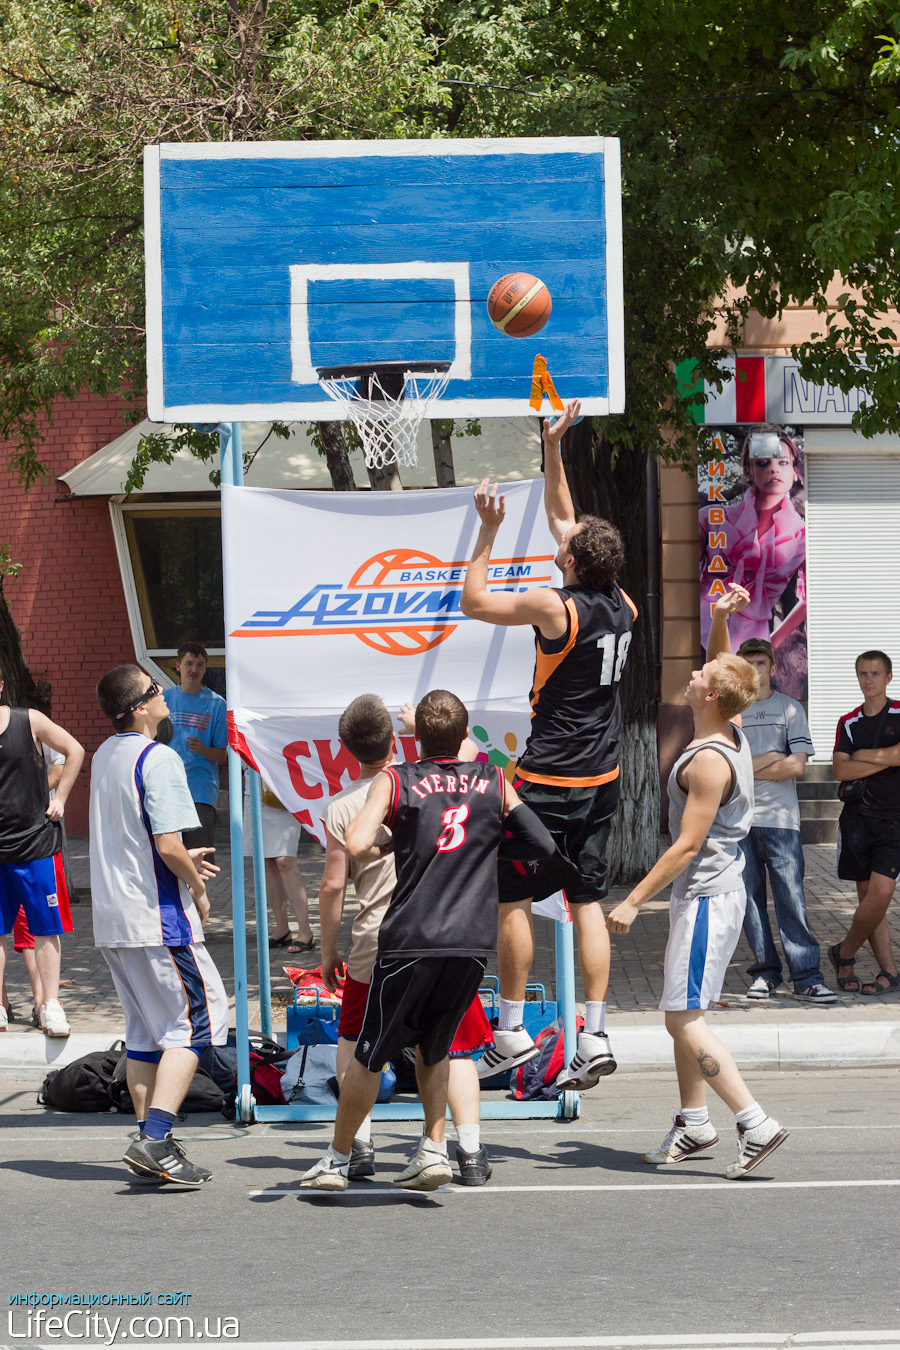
{"x": 867, "y": 844}
{"x": 416, "y": 1000}
{"x": 579, "y": 819}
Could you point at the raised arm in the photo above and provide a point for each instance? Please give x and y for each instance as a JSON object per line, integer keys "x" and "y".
{"x": 557, "y": 498}
{"x": 732, "y": 603}
{"x": 539, "y": 606}
{"x": 50, "y": 734}
{"x": 363, "y": 829}
{"x": 708, "y": 779}
{"x": 332, "y": 891}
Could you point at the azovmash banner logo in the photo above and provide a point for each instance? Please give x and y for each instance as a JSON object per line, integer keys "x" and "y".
{"x": 331, "y": 595}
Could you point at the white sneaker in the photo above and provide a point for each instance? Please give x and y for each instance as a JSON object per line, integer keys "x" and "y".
{"x": 593, "y": 1060}
{"x": 425, "y": 1172}
{"x": 510, "y": 1049}
{"x": 4, "y": 1018}
{"x": 760, "y": 988}
{"x": 327, "y": 1175}
{"x": 53, "y": 1019}
{"x": 816, "y": 993}
{"x": 681, "y": 1141}
{"x": 753, "y": 1146}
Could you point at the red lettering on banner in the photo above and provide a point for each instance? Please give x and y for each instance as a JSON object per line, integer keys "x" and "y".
{"x": 717, "y": 588}
{"x": 716, "y": 468}
{"x": 335, "y": 766}
{"x": 717, "y": 565}
{"x": 292, "y": 754}
{"x": 716, "y": 515}
{"x": 410, "y": 749}
{"x": 718, "y": 539}
{"x": 714, "y": 492}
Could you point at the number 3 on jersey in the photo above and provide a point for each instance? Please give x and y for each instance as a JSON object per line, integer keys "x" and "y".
{"x": 453, "y": 835}
{"x": 613, "y": 656}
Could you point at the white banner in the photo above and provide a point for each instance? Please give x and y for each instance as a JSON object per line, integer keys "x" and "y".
{"x": 331, "y": 595}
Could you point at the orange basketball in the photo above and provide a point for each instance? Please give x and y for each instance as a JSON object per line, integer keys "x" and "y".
{"x": 519, "y": 304}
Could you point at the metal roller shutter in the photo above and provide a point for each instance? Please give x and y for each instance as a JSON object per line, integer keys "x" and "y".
{"x": 853, "y": 574}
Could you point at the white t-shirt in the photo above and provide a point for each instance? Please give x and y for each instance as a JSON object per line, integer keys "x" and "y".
{"x": 776, "y": 723}
{"x": 139, "y": 789}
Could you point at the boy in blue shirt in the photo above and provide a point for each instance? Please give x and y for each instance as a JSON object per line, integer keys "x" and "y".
{"x": 200, "y": 738}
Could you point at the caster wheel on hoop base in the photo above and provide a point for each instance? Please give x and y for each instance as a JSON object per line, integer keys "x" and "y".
{"x": 247, "y": 1106}
{"x": 569, "y": 1106}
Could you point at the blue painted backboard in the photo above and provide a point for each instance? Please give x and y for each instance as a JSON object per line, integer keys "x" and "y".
{"x": 268, "y": 260}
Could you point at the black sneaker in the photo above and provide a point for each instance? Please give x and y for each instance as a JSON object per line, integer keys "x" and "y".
{"x": 362, "y": 1159}
{"x": 165, "y": 1160}
{"x": 474, "y": 1168}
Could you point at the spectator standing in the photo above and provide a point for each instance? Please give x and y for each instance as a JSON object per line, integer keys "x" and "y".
{"x": 31, "y": 873}
{"x": 200, "y": 737}
{"x": 867, "y": 753}
{"x": 778, "y": 735}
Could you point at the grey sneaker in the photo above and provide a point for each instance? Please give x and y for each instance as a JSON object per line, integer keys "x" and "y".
{"x": 753, "y": 1146}
{"x": 164, "y": 1160}
{"x": 327, "y": 1174}
{"x": 681, "y": 1141}
{"x": 593, "y": 1060}
{"x": 816, "y": 993}
{"x": 425, "y": 1172}
{"x": 760, "y": 988}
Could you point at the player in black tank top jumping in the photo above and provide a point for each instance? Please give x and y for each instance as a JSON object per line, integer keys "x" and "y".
{"x": 448, "y": 819}
{"x": 569, "y": 769}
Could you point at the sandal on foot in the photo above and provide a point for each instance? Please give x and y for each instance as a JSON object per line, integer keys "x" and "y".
{"x": 849, "y": 983}
{"x": 282, "y": 941}
{"x": 297, "y": 947}
{"x": 873, "y": 987}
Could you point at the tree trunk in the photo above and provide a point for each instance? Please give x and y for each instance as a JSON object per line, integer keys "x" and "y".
{"x": 441, "y": 433}
{"x": 18, "y": 686}
{"x": 336, "y": 457}
{"x": 386, "y": 479}
{"x": 610, "y": 483}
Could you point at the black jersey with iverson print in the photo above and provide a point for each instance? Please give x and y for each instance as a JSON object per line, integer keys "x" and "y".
{"x": 575, "y": 720}
{"x": 446, "y": 818}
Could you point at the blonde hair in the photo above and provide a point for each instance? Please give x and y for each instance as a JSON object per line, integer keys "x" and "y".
{"x": 736, "y": 683}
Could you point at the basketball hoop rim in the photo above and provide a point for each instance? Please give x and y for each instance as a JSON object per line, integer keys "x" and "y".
{"x": 352, "y": 372}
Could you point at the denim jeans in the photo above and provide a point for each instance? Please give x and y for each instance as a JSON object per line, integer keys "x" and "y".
{"x": 779, "y": 852}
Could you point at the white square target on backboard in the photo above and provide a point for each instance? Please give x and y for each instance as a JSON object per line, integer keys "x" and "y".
{"x": 269, "y": 261}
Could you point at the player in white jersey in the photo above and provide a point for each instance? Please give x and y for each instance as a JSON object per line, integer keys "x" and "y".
{"x": 149, "y": 905}
{"x": 710, "y": 812}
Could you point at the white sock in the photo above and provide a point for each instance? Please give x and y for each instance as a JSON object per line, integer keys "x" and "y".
{"x": 594, "y": 1017}
{"x": 340, "y": 1158}
{"x": 427, "y": 1145}
{"x": 364, "y": 1133}
{"x": 750, "y": 1117}
{"x": 694, "y": 1115}
{"x": 511, "y": 1014}
{"x": 469, "y": 1137}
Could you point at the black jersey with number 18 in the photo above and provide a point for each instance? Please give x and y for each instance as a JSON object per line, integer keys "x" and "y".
{"x": 446, "y": 817}
{"x": 575, "y": 720}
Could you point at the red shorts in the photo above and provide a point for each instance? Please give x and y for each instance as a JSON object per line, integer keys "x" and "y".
{"x": 473, "y": 1033}
{"x": 23, "y": 938}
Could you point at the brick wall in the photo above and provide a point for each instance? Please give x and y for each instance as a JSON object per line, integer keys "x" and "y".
{"x": 68, "y": 599}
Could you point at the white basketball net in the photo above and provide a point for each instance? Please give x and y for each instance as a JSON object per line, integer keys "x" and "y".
{"x": 388, "y": 426}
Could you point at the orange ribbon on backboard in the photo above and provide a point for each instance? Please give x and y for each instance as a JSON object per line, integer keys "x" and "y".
{"x": 542, "y": 384}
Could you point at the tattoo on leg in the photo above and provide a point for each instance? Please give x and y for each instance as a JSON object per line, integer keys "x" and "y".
{"x": 709, "y": 1066}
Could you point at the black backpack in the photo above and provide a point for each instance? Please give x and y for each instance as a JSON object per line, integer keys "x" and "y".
{"x": 202, "y": 1095}
{"x": 83, "y": 1085}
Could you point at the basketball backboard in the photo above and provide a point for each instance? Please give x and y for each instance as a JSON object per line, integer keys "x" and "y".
{"x": 267, "y": 261}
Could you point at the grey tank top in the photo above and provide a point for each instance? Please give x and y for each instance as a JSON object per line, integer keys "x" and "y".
{"x": 719, "y": 866}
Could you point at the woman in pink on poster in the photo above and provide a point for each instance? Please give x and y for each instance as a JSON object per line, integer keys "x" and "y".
{"x": 758, "y": 542}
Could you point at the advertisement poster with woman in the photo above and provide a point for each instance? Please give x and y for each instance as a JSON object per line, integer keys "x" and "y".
{"x": 753, "y": 531}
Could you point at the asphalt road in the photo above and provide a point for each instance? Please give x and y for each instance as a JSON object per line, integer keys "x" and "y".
{"x": 574, "y": 1243}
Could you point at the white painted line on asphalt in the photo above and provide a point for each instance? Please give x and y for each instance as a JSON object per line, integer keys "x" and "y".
{"x": 670, "y": 1186}
{"x": 779, "y": 1340}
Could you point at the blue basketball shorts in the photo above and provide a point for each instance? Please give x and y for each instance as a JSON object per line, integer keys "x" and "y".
{"x": 35, "y": 887}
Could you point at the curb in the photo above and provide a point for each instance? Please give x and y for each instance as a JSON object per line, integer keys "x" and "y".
{"x": 779, "y": 1045}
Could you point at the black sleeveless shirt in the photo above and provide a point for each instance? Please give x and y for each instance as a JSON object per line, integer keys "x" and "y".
{"x": 446, "y": 818}
{"x": 25, "y": 832}
{"x": 576, "y": 724}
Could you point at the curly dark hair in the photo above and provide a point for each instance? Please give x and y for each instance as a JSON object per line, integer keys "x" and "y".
{"x": 597, "y": 551}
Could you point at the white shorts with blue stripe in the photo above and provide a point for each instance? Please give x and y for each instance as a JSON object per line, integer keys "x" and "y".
{"x": 703, "y": 935}
{"x": 172, "y": 997}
